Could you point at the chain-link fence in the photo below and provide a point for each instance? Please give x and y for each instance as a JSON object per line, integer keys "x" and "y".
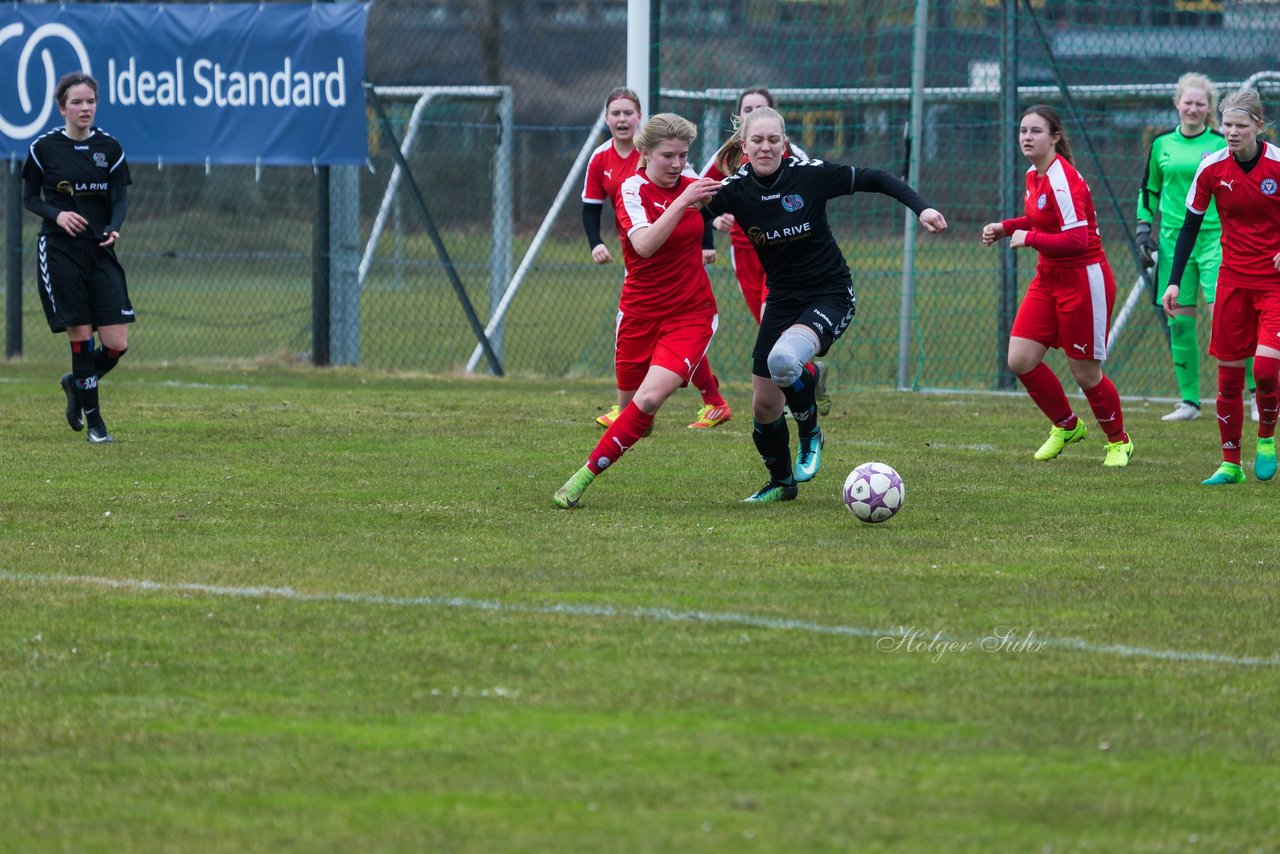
{"x": 221, "y": 261}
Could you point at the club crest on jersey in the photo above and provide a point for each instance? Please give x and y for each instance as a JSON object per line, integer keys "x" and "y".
{"x": 1042, "y": 201}
{"x": 792, "y": 203}
{"x": 1268, "y": 186}
{"x": 100, "y": 160}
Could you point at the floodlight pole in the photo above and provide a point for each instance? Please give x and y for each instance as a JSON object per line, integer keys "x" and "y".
{"x": 1010, "y": 171}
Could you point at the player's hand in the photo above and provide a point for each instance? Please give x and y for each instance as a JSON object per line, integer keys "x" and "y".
{"x": 991, "y": 232}
{"x": 708, "y": 257}
{"x": 698, "y": 193}
{"x": 72, "y": 223}
{"x": 1147, "y": 246}
{"x": 109, "y": 238}
{"x": 1018, "y": 239}
{"x": 600, "y": 254}
{"x": 724, "y": 222}
{"x": 933, "y": 221}
{"x": 1170, "y": 298}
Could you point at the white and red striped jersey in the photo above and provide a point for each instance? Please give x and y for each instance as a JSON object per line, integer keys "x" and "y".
{"x": 1249, "y": 209}
{"x": 1057, "y": 203}
{"x": 673, "y": 279}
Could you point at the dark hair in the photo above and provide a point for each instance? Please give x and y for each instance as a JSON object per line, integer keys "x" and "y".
{"x": 755, "y": 90}
{"x": 75, "y": 78}
{"x": 1050, "y": 115}
{"x": 622, "y": 92}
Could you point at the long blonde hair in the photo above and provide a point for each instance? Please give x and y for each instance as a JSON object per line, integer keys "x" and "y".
{"x": 729, "y": 157}
{"x": 659, "y": 129}
{"x": 1195, "y": 80}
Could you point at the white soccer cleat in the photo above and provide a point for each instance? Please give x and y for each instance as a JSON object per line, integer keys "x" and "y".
{"x": 1183, "y": 412}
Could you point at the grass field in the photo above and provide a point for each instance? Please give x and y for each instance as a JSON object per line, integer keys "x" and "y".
{"x": 324, "y": 610}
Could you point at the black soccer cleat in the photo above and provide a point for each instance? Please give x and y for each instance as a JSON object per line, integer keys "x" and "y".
{"x": 98, "y": 434}
{"x": 74, "y": 419}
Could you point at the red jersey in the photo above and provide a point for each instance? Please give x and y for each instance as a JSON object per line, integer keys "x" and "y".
{"x": 1060, "y": 217}
{"x": 673, "y": 279}
{"x": 1249, "y": 208}
{"x": 606, "y": 171}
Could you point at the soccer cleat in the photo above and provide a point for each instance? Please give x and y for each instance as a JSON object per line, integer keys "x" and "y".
{"x": 1118, "y": 453}
{"x": 1226, "y": 473}
{"x": 1264, "y": 464}
{"x": 606, "y": 420}
{"x": 711, "y": 416}
{"x": 773, "y": 491}
{"x": 74, "y": 419}
{"x": 1184, "y": 411}
{"x": 821, "y": 397}
{"x": 1059, "y": 438}
{"x": 98, "y": 434}
{"x": 809, "y": 457}
{"x": 568, "y": 495}
{"x": 1253, "y": 408}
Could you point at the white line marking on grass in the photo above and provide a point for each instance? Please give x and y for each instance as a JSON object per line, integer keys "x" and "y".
{"x": 661, "y": 615}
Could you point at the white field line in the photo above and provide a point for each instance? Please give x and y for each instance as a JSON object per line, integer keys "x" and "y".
{"x": 660, "y": 615}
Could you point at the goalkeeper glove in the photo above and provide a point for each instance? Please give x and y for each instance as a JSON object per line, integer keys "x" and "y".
{"x": 1147, "y": 246}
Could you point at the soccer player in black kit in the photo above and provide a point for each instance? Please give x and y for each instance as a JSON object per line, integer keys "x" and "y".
{"x": 781, "y": 204}
{"x": 74, "y": 179}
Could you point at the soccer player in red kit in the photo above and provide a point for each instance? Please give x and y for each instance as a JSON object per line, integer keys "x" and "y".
{"x": 747, "y": 268}
{"x": 1068, "y": 303}
{"x": 1244, "y": 181}
{"x": 612, "y": 163}
{"x": 667, "y": 314}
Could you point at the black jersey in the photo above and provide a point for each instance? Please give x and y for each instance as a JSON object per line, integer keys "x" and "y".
{"x": 77, "y": 175}
{"x": 786, "y": 220}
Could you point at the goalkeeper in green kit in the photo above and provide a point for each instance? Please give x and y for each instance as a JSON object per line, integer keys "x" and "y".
{"x": 1172, "y": 162}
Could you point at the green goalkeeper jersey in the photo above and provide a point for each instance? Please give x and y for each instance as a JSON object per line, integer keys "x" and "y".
{"x": 1171, "y": 165}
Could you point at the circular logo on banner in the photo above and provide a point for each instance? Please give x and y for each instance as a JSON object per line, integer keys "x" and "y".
{"x": 1268, "y": 186}
{"x": 1040, "y": 202}
{"x": 792, "y": 203}
{"x": 43, "y": 74}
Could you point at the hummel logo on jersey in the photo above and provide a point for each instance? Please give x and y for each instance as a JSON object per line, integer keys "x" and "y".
{"x": 1227, "y": 184}
{"x": 1083, "y": 348}
{"x": 770, "y": 198}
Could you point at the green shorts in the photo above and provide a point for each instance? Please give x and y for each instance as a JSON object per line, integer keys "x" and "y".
{"x": 1202, "y": 267}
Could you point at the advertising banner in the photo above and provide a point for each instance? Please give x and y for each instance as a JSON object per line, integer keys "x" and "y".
{"x": 275, "y": 84}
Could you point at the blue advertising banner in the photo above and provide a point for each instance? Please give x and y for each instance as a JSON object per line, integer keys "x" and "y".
{"x": 276, "y": 84}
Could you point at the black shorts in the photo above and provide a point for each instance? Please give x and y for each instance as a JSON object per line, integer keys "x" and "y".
{"x": 80, "y": 283}
{"x": 827, "y": 312}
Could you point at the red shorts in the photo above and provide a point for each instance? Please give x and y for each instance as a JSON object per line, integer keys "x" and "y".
{"x": 1243, "y": 318}
{"x": 676, "y": 343}
{"x": 749, "y": 273}
{"x": 1069, "y": 308}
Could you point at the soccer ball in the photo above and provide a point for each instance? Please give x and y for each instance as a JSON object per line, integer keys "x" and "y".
{"x": 874, "y": 492}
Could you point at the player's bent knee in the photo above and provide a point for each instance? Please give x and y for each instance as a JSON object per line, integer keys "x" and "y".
{"x": 787, "y": 359}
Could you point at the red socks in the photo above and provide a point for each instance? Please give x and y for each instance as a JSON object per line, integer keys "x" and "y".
{"x": 628, "y": 428}
{"x": 1045, "y": 389}
{"x": 1231, "y": 411}
{"x": 707, "y": 384}
{"x": 1266, "y": 371}
{"x": 1104, "y": 400}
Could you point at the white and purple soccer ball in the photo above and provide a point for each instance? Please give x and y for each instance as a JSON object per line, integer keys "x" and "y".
{"x": 874, "y": 492}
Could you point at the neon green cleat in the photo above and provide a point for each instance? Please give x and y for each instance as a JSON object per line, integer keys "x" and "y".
{"x": 809, "y": 457}
{"x": 820, "y": 394}
{"x": 568, "y": 495}
{"x": 606, "y": 420}
{"x": 1226, "y": 473}
{"x": 1264, "y": 465}
{"x": 1118, "y": 453}
{"x": 772, "y": 492}
{"x": 1059, "y": 438}
{"x": 711, "y": 416}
